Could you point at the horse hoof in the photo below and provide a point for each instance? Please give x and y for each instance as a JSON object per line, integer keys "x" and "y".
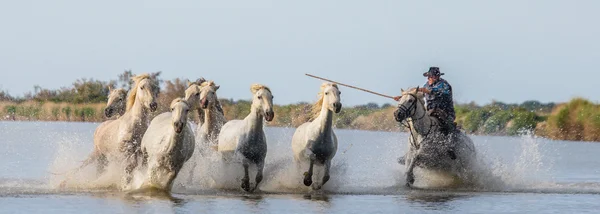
{"x": 410, "y": 180}
{"x": 246, "y": 185}
{"x": 307, "y": 179}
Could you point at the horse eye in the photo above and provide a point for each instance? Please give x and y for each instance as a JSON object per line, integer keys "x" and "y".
{"x": 259, "y": 97}
{"x": 142, "y": 87}
{"x": 339, "y": 93}
{"x": 172, "y": 109}
{"x": 197, "y": 94}
{"x": 326, "y": 93}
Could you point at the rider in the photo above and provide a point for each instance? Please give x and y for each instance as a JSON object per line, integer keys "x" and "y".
{"x": 438, "y": 94}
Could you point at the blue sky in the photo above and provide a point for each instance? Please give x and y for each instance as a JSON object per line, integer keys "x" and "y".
{"x": 507, "y": 50}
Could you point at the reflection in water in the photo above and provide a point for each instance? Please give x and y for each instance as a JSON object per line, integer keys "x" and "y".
{"x": 433, "y": 200}
{"x": 253, "y": 202}
{"x": 317, "y": 197}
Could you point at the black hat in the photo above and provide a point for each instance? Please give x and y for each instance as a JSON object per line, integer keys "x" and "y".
{"x": 433, "y": 71}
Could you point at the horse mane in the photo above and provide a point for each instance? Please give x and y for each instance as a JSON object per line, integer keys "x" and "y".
{"x": 413, "y": 91}
{"x": 121, "y": 91}
{"x": 177, "y": 100}
{"x": 207, "y": 83}
{"x": 197, "y": 82}
{"x": 256, "y": 87}
{"x": 316, "y": 108}
{"x": 137, "y": 79}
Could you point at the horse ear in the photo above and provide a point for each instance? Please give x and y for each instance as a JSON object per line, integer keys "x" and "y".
{"x": 402, "y": 90}
{"x": 109, "y": 88}
{"x": 200, "y": 80}
{"x": 417, "y": 91}
{"x": 217, "y": 87}
{"x": 189, "y": 83}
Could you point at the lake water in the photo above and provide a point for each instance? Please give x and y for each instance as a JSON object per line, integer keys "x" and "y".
{"x": 518, "y": 175}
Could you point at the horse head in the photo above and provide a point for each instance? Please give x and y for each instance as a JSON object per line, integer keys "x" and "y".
{"x": 145, "y": 91}
{"x": 208, "y": 95}
{"x": 410, "y": 105}
{"x": 263, "y": 101}
{"x": 116, "y": 102}
{"x": 179, "y": 112}
{"x": 331, "y": 97}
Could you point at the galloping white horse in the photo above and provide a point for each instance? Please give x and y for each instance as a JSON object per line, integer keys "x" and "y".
{"x": 245, "y": 139}
{"x": 204, "y": 98}
{"x": 315, "y": 142}
{"x": 116, "y": 102}
{"x": 428, "y": 148}
{"x": 119, "y": 140}
{"x": 167, "y": 145}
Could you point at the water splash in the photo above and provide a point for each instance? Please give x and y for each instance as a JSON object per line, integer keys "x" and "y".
{"x": 368, "y": 166}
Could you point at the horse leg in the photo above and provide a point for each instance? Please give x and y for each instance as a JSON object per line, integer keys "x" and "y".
{"x": 259, "y": 173}
{"x": 101, "y": 164}
{"x": 130, "y": 165}
{"x": 327, "y": 168}
{"x": 246, "y": 179}
{"x": 410, "y": 176}
{"x": 308, "y": 175}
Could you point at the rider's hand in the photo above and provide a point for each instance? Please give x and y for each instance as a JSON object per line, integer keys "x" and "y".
{"x": 397, "y": 98}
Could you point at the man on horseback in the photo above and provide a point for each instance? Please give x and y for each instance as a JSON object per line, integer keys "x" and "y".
{"x": 438, "y": 94}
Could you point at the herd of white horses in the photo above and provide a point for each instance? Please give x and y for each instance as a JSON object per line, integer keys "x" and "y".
{"x": 163, "y": 144}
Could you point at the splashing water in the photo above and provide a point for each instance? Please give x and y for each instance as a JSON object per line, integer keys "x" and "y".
{"x": 365, "y": 164}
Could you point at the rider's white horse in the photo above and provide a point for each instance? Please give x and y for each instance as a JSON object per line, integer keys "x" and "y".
{"x": 315, "y": 142}
{"x": 167, "y": 145}
{"x": 245, "y": 140}
{"x": 204, "y": 98}
{"x": 116, "y": 102}
{"x": 119, "y": 140}
{"x": 428, "y": 148}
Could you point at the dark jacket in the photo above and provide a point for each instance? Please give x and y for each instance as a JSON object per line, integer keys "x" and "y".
{"x": 440, "y": 97}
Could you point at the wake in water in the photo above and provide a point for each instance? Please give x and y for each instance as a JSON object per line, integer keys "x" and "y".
{"x": 356, "y": 169}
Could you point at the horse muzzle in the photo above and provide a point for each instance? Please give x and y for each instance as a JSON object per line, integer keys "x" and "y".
{"x": 108, "y": 112}
{"x": 269, "y": 115}
{"x": 178, "y": 127}
{"x": 400, "y": 115}
{"x": 337, "y": 107}
{"x": 204, "y": 103}
{"x": 153, "y": 106}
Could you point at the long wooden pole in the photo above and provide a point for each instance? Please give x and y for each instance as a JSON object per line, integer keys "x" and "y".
{"x": 349, "y": 86}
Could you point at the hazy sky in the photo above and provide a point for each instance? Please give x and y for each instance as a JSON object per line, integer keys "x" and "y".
{"x": 509, "y": 50}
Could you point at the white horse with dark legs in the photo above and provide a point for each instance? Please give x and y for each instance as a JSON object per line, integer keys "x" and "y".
{"x": 428, "y": 148}
{"x": 204, "y": 98}
{"x": 119, "y": 140}
{"x": 166, "y": 146}
{"x": 245, "y": 140}
{"x": 315, "y": 142}
{"x": 116, "y": 102}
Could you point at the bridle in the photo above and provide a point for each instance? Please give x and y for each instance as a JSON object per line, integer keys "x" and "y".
{"x": 413, "y": 107}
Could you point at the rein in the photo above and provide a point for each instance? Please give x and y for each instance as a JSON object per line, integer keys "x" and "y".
{"x": 413, "y": 108}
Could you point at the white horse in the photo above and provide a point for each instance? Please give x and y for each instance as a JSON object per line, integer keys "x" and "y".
{"x": 204, "y": 98}
{"x": 428, "y": 148}
{"x": 245, "y": 139}
{"x": 119, "y": 140}
{"x": 116, "y": 102}
{"x": 167, "y": 145}
{"x": 315, "y": 142}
